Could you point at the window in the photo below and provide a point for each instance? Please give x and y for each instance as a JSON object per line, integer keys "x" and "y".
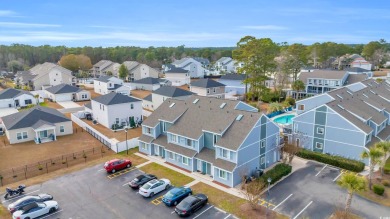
{"x": 215, "y": 139}
{"x": 164, "y": 127}
{"x": 131, "y": 106}
{"x": 319, "y": 145}
{"x": 214, "y": 89}
{"x": 222, "y": 174}
{"x": 262, "y": 160}
{"x": 149, "y": 130}
{"x": 103, "y": 107}
{"x": 185, "y": 160}
{"x": 189, "y": 142}
{"x": 19, "y": 136}
{"x": 173, "y": 138}
{"x": 100, "y": 106}
{"x": 301, "y": 107}
{"x": 225, "y": 153}
{"x": 144, "y": 146}
{"x": 320, "y": 131}
{"x": 117, "y": 120}
{"x": 170, "y": 155}
{"x": 262, "y": 144}
{"x": 295, "y": 127}
{"x": 62, "y": 128}
{"x": 208, "y": 90}
{"x": 25, "y": 135}
{"x": 29, "y": 101}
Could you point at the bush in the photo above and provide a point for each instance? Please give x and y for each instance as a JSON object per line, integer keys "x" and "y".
{"x": 290, "y": 101}
{"x": 386, "y": 169}
{"x": 386, "y": 183}
{"x": 378, "y": 189}
{"x": 276, "y": 173}
{"x": 342, "y": 162}
{"x": 268, "y": 97}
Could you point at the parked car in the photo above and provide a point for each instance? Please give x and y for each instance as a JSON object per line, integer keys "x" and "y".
{"x": 191, "y": 204}
{"x": 117, "y": 164}
{"x": 153, "y": 187}
{"x": 19, "y": 204}
{"x": 176, "y": 195}
{"x": 141, "y": 180}
{"x": 35, "y": 210}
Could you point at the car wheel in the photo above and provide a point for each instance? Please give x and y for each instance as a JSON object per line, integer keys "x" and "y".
{"x": 27, "y": 218}
{"x": 151, "y": 194}
{"x": 189, "y": 193}
{"x": 128, "y": 166}
{"x": 113, "y": 171}
{"x": 52, "y": 210}
{"x": 166, "y": 187}
{"x": 6, "y": 196}
{"x": 175, "y": 203}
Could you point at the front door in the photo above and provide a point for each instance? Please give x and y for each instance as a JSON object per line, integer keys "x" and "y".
{"x": 156, "y": 150}
{"x": 43, "y": 134}
{"x": 162, "y": 152}
{"x": 204, "y": 167}
{"x": 16, "y": 102}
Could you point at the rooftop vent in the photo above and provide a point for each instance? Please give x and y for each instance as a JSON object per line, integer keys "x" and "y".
{"x": 170, "y": 106}
{"x": 239, "y": 117}
{"x": 195, "y": 101}
{"x": 222, "y": 105}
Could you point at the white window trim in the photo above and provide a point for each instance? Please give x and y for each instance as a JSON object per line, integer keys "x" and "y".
{"x": 185, "y": 158}
{"x": 171, "y": 153}
{"x": 319, "y": 128}
{"x": 63, "y": 128}
{"x": 299, "y": 105}
{"x": 262, "y": 144}
{"x": 318, "y": 143}
{"x": 208, "y": 90}
{"x": 144, "y": 146}
{"x": 222, "y": 171}
{"x": 262, "y": 160}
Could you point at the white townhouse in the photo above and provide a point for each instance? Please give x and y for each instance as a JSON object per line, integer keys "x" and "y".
{"x": 227, "y": 64}
{"x": 177, "y": 76}
{"x": 208, "y": 87}
{"x": 195, "y": 68}
{"x": 65, "y": 92}
{"x": 13, "y": 98}
{"x": 107, "y": 84}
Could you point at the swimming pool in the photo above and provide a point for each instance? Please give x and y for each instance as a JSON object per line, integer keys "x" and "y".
{"x": 284, "y": 120}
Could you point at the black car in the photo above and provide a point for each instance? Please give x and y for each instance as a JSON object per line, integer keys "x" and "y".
{"x": 19, "y": 204}
{"x": 141, "y": 180}
{"x": 191, "y": 204}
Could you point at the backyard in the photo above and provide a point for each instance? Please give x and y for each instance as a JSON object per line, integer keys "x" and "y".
{"x": 141, "y": 94}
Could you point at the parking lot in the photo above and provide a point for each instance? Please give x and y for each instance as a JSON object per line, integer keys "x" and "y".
{"x": 92, "y": 193}
{"x": 312, "y": 192}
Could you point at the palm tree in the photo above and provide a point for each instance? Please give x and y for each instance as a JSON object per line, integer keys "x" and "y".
{"x": 274, "y": 106}
{"x": 298, "y": 86}
{"x": 352, "y": 183}
{"x": 385, "y": 147}
{"x": 374, "y": 154}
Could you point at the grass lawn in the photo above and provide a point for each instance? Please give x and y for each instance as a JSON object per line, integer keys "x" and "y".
{"x": 176, "y": 178}
{"x": 341, "y": 214}
{"x": 4, "y": 214}
{"x": 43, "y": 104}
{"x": 136, "y": 160}
{"x": 232, "y": 204}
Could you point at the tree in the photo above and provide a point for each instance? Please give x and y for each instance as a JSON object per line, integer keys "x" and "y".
{"x": 374, "y": 154}
{"x": 298, "y": 86}
{"x": 258, "y": 57}
{"x": 252, "y": 192}
{"x": 15, "y": 66}
{"x": 352, "y": 183}
{"x": 370, "y": 48}
{"x": 289, "y": 150}
{"x": 385, "y": 147}
{"x": 274, "y": 106}
{"x": 123, "y": 71}
{"x": 75, "y": 62}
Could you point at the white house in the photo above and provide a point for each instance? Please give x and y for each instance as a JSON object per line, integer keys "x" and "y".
{"x": 208, "y": 87}
{"x": 39, "y": 124}
{"x": 234, "y": 83}
{"x": 139, "y": 71}
{"x": 361, "y": 63}
{"x": 157, "y": 97}
{"x": 194, "y": 67}
{"x": 107, "y": 84}
{"x": 13, "y": 98}
{"x": 177, "y": 76}
{"x": 114, "y": 108}
{"x": 146, "y": 84}
{"x": 65, "y": 92}
{"x": 225, "y": 64}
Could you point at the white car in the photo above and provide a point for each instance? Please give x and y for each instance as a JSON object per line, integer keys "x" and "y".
{"x": 153, "y": 187}
{"x": 35, "y": 210}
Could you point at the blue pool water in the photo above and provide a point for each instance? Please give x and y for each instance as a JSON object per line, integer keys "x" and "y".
{"x": 284, "y": 120}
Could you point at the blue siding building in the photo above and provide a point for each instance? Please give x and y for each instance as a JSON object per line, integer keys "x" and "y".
{"x": 223, "y": 139}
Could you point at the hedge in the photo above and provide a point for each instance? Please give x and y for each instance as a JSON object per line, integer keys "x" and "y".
{"x": 342, "y": 162}
{"x": 386, "y": 169}
{"x": 378, "y": 189}
{"x": 276, "y": 173}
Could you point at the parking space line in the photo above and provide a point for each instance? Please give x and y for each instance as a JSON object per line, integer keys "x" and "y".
{"x": 100, "y": 170}
{"x": 157, "y": 201}
{"x": 52, "y": 214}
{"x": 322, "y": 169}
{"x": 203, "y": 212}
{"x": 303, "y": 210}
{"x": 125, "y": 184}
{"x": 120, "y": 173}
{"x": 227, "y": 216}
{"x": 220, "y": 210}
{"x": 265, "y": 203}
{"x": 282, "y": 201}
{"x": 172, "y": 212}
{"x": 19, "y": 196}
{"x": 337, "y": 176}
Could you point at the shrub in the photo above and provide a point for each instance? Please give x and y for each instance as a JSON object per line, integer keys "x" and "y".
{"x": 290, "y": 101}
{"x": 342, "y": 162}
{"x": 268, "y": 97}
{"x": 378, "y": 189}
{"x": 386, "y": 183}
{"x": 276, "y": 173}
{"x": 386, "y": 168}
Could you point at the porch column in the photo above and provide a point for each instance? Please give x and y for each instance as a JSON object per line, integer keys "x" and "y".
{"x": 36, "y": 135}
{"x": 55, "y": 136}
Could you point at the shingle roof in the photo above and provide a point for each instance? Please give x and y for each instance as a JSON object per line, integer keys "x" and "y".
{"x": 237, "y": 77}
{"x": 325, "y": 74}
{"x": 224, "y": 60}
{"x": 103, "y": 78}
{"x": 148, "y": 80}
{"x": 12, "y": 93}
{"x": 176, "y": 70}
{"x": 114, "y": 98}
{"x": 170, "y": 91}
{"x": 208, "y": 155}
{"x": 148, "y": 98}
{"x": 88, "y": 105}
{"x": 162, "y": 141}
{"x": 206, "y": 83}
{"x": 32, "y": 116}
{"x": 145, "y": 138}
{"x": 116, "y": 86}
{"x": 63, "y": 89}
{"x": 354, "y": 78}
{"x": 357, "y": 70}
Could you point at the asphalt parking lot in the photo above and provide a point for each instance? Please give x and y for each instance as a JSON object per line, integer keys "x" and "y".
{"x": 92, "y": 193}
{"x": 312, "y": 192}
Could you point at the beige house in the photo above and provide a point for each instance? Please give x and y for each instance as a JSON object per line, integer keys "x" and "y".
{"x": 38, "y": 124}
{"x": 138, "y": 71}
{"x": 45, "y": 75}
{"x": 208, "y": 88}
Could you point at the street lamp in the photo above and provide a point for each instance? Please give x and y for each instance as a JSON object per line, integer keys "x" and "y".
{"x": 269, "y": 182}
{"x": 127, "y": 147}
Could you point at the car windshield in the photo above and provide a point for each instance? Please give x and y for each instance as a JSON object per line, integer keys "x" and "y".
{"x": 184, "y": 204}
{"x": 169, "y": 195}
{"x": 147, "y": 186}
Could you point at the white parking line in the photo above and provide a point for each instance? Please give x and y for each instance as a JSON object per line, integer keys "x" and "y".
{"x": 100, "y": 170}
{"x": 203, "y": 212}
{"x": 125, "y": 184}
{"x": 282, "y": 202}
{"x": 227, "y": 216}
{"x": 321, "y": 170}
{"x": 172, "y": 212}
{"x": 220, "y": 210}
{"x": 337, "y": 177}
{"x": 52, "y": 214}
{"x": 19, "y": 196}
{"x": 303, "y": 210}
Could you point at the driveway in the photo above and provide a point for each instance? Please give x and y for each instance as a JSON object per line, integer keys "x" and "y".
{"x": 92, "y": 193}
{"x": 312, "y": 192}
{"x": 68, "y": 104}
{"x": 7, "y": 111}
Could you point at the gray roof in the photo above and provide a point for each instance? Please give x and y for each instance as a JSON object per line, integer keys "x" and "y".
{"x": 357, "y": 70}
{"x": 236, "y": 77}
{"x": 162, "y": 141}
{"x": 63, "y": 89}
{"x": 204, "y": 61}
{"x": 102, "y": 62}
{"x": 208, "y": 155}
{"x": 148, "y": 80}
{"x": 114, "y": 98}
{"x": 148, "y": 98}
{"x": 12, "y": 93}
{"x": 103, "y": 78}
{"x": 33, "y": 117}
{"x": 224, "y": 60}
{"x": 384, "y": 135}
{"x": 88, "y": 105}
{"x": 40, "y": 123}
{"x": 176, "y": 70}
{"x": 207, "y": 83}
{"x": 354, "y": 78}
{"x": 145, "y": 138}
{"x": 170, "y": 91}
{"x": 116, "y": 86}
{"x": 325, "y": 74}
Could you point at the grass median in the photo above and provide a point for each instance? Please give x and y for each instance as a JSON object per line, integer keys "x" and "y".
{"x": 176, "y": 178}
{"x": 232, "y": 204}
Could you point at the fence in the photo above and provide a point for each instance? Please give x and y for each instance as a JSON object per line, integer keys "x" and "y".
{"x": 131, "y": 143}
{"x": 15, "y": 174}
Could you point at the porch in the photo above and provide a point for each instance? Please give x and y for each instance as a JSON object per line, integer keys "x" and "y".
{"x": 45, "y": 134}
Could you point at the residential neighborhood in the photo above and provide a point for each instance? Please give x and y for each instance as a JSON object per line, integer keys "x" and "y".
{"x": 206, "y": 110}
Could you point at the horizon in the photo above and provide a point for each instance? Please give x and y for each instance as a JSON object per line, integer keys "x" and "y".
{"x": 203, "y": 25}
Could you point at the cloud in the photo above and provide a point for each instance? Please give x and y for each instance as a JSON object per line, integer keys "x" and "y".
{"x": 7, "y": 13}
{"x": 108, "y": 27}
{"x": 26, "y": 25}
{"x": 265, "y": 27}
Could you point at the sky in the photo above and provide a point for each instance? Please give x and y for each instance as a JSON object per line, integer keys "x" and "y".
{"x": 201, "y": 23}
